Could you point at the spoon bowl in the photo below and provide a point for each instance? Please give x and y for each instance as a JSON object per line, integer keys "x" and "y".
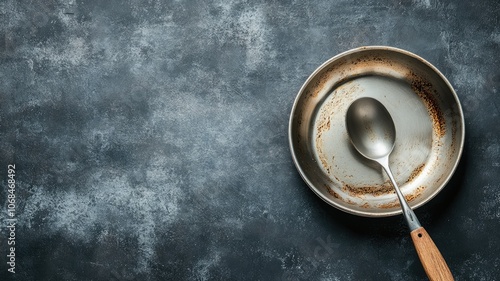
{"x": 370, "y": 128}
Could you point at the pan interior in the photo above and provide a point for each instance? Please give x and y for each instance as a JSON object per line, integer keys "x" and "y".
{"x": 429, "y": 131}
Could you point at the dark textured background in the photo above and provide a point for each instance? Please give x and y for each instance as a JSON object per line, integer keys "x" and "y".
{"x": 150, "y": 139}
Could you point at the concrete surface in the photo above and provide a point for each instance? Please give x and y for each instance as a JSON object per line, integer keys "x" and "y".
{"x": 149, "y": 140}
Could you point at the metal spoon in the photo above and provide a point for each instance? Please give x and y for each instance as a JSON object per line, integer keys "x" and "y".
{"x": 373, "y": 134}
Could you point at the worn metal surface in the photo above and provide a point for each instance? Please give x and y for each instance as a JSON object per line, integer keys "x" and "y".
{"x": 428, "y": 119}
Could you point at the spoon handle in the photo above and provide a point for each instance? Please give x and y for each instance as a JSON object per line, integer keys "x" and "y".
{"x": 433, "y": 262}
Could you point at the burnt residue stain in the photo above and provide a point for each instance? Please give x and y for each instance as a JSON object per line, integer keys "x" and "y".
{"x": 321, "y": 79}
{"x": 318, "y": 85}
{"x": 412, "y": 196}
{"x": 372, "y": 58}
{"x": 375, "y": 190}
{"x": 365, "y": 205}
{"x": 417, "y": 171}
{"x": 332, "y": 193}
{"x": 372, "y": 62}
{"x": 344, "y": 68}
{"x": 390, "y": 205}
{"x": 323, "y": 123}
{"x": 425, "y": 90}
{"x": 337, "y": 196}
{"x": 409, "y": 198}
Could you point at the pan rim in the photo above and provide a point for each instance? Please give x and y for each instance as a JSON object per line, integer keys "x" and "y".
{"x": 460, "y": 140}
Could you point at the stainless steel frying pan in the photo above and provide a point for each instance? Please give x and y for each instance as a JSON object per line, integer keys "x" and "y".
{"x": 429, "y": 124}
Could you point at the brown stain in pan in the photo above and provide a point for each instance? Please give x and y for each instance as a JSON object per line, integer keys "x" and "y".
{"x": 323, "y": 125}
{"x": 366, "y": 205}
{"x": 414, "y": 195}
{"x": 409, "y": 198}
{"x": 332, "y": 193}
{"x": 375, "y": 190}
{"x": 416, "y": 172}
{"x": 337, "y": 196}
{"x": 319, "y": 82}
{"x": 343, "y": 67}
{"x": 425, "y": 90}
{"x": 362, "y": 61}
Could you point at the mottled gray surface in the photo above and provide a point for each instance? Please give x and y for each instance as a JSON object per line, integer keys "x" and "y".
{"x": 150, "y": 139}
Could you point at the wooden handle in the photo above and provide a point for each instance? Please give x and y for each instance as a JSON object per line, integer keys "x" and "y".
{"x": 433, "y": 262}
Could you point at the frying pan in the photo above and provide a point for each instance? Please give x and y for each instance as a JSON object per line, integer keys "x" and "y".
{"x": 429, "y": 126}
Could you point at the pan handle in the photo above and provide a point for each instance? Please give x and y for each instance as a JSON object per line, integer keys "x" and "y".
{"x": 433, "y": 262}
